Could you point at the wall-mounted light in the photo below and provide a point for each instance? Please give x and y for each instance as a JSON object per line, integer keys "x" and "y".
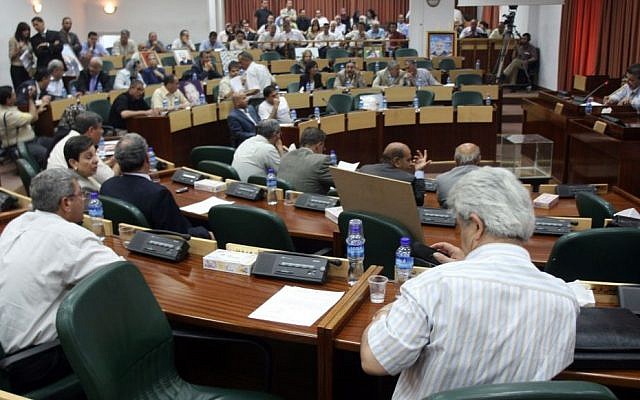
{"x": 109, "y": 8}
{"x": 37, "y": 7}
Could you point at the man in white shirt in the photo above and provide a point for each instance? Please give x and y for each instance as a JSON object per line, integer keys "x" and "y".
{"x": 478, "y": 318}
{"x": 266, "y": 41}
{"x": 323, "y": 40}
{"x": 289, "y": 39}
{"x": 321, "y": 19}
{"x": 124, "y": 47}
{"x": 56, "y": 88}
{"x": 169, "y": 92}
{"x": 338, "y": 27}
{"x": 257, "y": 154}
{"x": 473, "y": 31}
{"x": 258, "y": 76}
{"x": 271, "y": 20}
{"x": 403, "y": 26}
{"x": 419, "y": 76}
{"x": 274, "y": 106}
{"x": 629, "y": 93}
{"x": 289, "y": 11}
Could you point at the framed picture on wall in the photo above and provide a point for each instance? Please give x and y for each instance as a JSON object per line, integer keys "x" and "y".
{"x": 148, "y": 55}
{"x": 442, "y": 44}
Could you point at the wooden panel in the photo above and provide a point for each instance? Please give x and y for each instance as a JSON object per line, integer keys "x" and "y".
{"x": 322, "y": 63}
{"x": 115, "y": 93}
{"x": 204, "y": 114}
{"x": 178, "y": 70}
{"x": 321, "y": 97}
{"x": 265, "y": 63}
{"x": 475, "y": 113}
{"x": 116, "y": 60}
{"x": 298, "y": 100}
{"x": 361, "y": 120}
{"x": 283, "y": 80}
{"x": 358, "y": 61}
{"x": 281, "y": 66}
{"x": 454, "y": 73}
{"x": 148, "y": 91}
{"x": 580, "y": 82}
{"x": 400, "y": 116}
{"x": 436, "y": 61}
{"x": 215, "y": 55}
{"x": 107, "y": 225}
{"x": 486, "y": 90}
{"x": 312, "y": 123}
{"x": 23, "y": 201}
{"x": 436, "y": 115}
{"x": 179, "y": 120}
{"x": 400, "y": 93}
{"x": 600, "y": 126}
{"x": 366, "y": 90}
{"x": 256, "y": 53}
{"x": 211, "y": 83}
{"x": 332, "y": 124}
{"x": 473, "y": 46}
{"x": 442, "y": 93}
{"x": 58, "y": 107}
{"x": 437, "y": 74}
{"x": 326, "y": 76}
{"x": 85, "y": 99}
{"x": 368, "y": 77}
{"x": 224, "y": 108}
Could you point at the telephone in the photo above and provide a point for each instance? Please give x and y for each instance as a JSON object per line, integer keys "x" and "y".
{"x": 245, "y": 190}
{"x": 153, "y": 243}
{"x": 570, "y": 190}
{"x": 186, "y": 177}
{"x": 316, "y": 202}
{"x": 292, "y": 266}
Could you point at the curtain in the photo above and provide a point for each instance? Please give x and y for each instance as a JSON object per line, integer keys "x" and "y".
{"x": 620, "y": 42}
{"x": 491, "y": 14}
{"x": 387, "y": 10}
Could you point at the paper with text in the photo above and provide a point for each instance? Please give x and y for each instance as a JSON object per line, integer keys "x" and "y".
{"x": 202, "y": 207}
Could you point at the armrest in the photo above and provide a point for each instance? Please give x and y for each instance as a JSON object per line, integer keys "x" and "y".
{"x": 25, "y": 354}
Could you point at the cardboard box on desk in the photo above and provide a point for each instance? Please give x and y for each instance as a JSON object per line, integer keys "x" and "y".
{"x": 209, "y": 185}
{"x": 230, "y": 261}
{"x": 545, "y": 200}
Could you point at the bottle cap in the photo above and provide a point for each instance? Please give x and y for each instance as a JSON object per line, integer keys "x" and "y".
{"x": 93, "y": 195}
{"x": 355, "y": 226}
{"x": 405, "y": 241}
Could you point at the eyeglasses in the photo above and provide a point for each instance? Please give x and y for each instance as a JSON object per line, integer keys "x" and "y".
{"x": 82, "y": 195}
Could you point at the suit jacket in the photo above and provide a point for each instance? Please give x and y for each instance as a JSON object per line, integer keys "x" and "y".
{"x": 240, "y": 126}
{"x": 22, "y": 93}
{"x": 202, "y": 74}
{"x": 446, "y": 180}
{"x": 307, "y": 171}
{"x": 84, "y": 79}
{"x": 389, "y": 171}
{"x": 47, "y": 53}
{"x": 154, "y": 201}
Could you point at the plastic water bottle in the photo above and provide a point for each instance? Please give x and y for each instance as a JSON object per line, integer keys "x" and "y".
{"x": 277, "y": 88}
{"x": 333, "y": 157}
{"x": 165, "y": 104}
{"x": 203, "y": 100}
{"x": 478, "y": 63}
{"x": 194, "y": 77}
{"x": 316, "y": 113}
{"x": 73, "y": 90}
{"x": 376, "y": 67}
{"x": 272, "y": 185}
{"x": 176, "y": 103}
{"x": 487, "y": 101}
{"x": 355, "y": 250}
{"x": 449, "y": 80}
{"x": 241, "y": 71}
{"x": 308, "y": 87}
{"x": 360, "y": 104}
{"x": 99, "y": 87}
{"x": 588, "y": 108}
{"x": 101, "y": 150}
{"x": 384, "y": 102}
{"x": 416, "y": 103}
{"x": 96, "y": 214}
{"x": 153, "y": 165}
{"x": 63, "y": 92}
{"x": 404, "y": 263}
{"x": 294, "y": 115}
{"x": 341, "y": 67}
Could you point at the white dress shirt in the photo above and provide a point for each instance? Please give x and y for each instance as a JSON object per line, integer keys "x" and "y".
{"x": 282, "y": 115}
{"x": 254, "y": 156}
{"x": 625, "y": 92}
{"x": 258, "y": 77}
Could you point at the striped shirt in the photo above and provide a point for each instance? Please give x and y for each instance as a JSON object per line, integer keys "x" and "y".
{"x": 625, "y": 92}
{"x": 492, "y": 318}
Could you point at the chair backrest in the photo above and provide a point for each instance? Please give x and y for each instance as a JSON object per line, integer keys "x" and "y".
{"x": 222, "y": 170}
{"x": 590, "y": 205}
{"x": 551, "y": 390}
{"x": 336, "y": 52}
{"x": 468, "y": 79}
{"x": 118, "y": 211}
{"x": 338, "y": 66}
{"x": 600, "y": 254}
{"x": 23, "y": 152}
{"x": 340, "y": 103}
{"x": 466, "y": 98}
{"x": 26, "y": 172}
{"x": 296, "y": 69}
{"x": 402, "y": 52}
{"x": 447, "y": 64}
{"x": 215, "y": 92}
{"x": 293, "y": 87}
{"x": 371, "y": 66}
{"x": 229, "y": 223}
{"x": 424, "y": 64}
{"x": 223, "y": 154}
{"x": 168, "y": 61}
{"x": 114, "y": 334}
{"x": 270, "y": 56}
{"x": 107, "y": 66}
{"x": 425, "y": 97}
{"x": 102, "y": 107}
{"x": 262, "y": 180}
{"x": 382, "y": 236}
{"x": 331, "y": 82}
{"x": 147, "y": 99}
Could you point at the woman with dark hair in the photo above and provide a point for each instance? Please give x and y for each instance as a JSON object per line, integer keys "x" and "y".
{"x": 371, "y": 16}
{"x": 81, "y": 157}
{"x": 19, "y": 43}
{"x": 311, "y": 79}
{"x": 314, "y": 30}
{"x": 298, "y": 68}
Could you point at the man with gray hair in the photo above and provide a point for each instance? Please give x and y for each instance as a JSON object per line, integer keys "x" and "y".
{"x": 307, "y": 168}
{"x": 56, "y": 88}
{"x": 488, "y": 315}
{"x": 43, "y": 254}
{"x": 390, "y": 76}
{"x": 257, "y": 154}
{"x": 125, "y": 46}
{"x": 467, "y": 158}
{"x": 135, "y": 187}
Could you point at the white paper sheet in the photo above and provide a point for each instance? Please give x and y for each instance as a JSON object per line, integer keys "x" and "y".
{"x": 202, "y": 207}
{"x": 629, "y": 213}
{"x": 297, "y": 306}
{"x": 348, "y": 166}
{"x": 236, "y": 84}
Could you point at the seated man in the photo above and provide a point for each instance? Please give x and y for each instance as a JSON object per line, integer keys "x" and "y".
{"x": 349, "y": 78}
{"x": 419, "y": 76}
{"x": 39, "y": 84}
{"x": 467, "y": 158}
{"x": 524, "y": 56}
{"x": 153, "y": 73}
{"x": 134, "y": 186}
{"x": 274, "y": 106}
{"x": 306, "y": 168}
{"x": 169, "y": 92}
{"x": 211, "y": 43}
{"x": 473, "y": 31}
{"x": 154, "y": 44}
{"x": 242, "y": 119}
{"x": 94, "y": 79}
{"x": 204, "y": 69}
{"x": 89, "y": 124}
{"x": 131, "y": 71}
{"x": 629, "y": 93}
{"x": 260, "y": 152}
{"x": 390, "y": 76}
{"x": 267, "y": 39}
{"x": 128, "y": 105}
{"x": 43, "y": 254}
{"x": 397, "y": 163}
{"x": 56, "y": 87}
{"x": 488, "y": 296}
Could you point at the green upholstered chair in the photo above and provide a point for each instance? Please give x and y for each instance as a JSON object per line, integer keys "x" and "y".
{"x": 120, "y": 344}
{"x": 600, "y": 254}
{"x": 425, "y": 97}
{"x": 225, "y": 171}
{"x": 447, "y": 64}
{"x": 107, "y": 66}
{"x": 168, "y": 61}
{"x": 469, "y": 98}
{"x": 402, "y": 52}
{"x": 229, "y": 223}
{"x": 26, "y": 172}
{"x": 262, "y": 180}
{"x": 23, "y": 152}
{"x": 468, "y": 79}
{"x": 117, "y": 211}
{"x": 270, "y": 56}
{"x": 427, "y": 64}
{"x": 223, "y": 154}
{"x": 331, "y": 82}
{"x": 296, "y": 69}
{"x": 371, "y": 66}
{"x": 383, "y": 238}
{"x": 339, "y": 103}
{"x": 553, "y": 390}
{"x": 336, "y": 52}
{"x": 147, "y": 99}
{"x": 102, "y": 107}
{"x": 293, "y": 87}
{"x": 590, "y": 205}
{"x": 215, "y": 93}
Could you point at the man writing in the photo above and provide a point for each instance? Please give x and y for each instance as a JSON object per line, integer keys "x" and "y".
{"x": 307, "y": 168}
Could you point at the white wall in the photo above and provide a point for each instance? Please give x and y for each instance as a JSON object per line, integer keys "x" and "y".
{"x": 425, "y": 18}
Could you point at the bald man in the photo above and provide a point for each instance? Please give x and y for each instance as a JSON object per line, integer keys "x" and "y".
{"x": 242, "y": 120}
{"x": 398, "y": 163}
{"x": 467, "y": 157}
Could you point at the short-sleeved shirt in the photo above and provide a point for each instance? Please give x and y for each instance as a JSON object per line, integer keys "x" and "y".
{"x": 15, "y": 126}
{"x": 125, "y": 102}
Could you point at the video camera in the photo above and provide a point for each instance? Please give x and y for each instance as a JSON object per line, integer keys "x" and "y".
{"x": 509, "y": 18}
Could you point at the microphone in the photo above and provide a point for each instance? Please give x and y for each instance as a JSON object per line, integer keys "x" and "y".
{"x": 581, "y": 99}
